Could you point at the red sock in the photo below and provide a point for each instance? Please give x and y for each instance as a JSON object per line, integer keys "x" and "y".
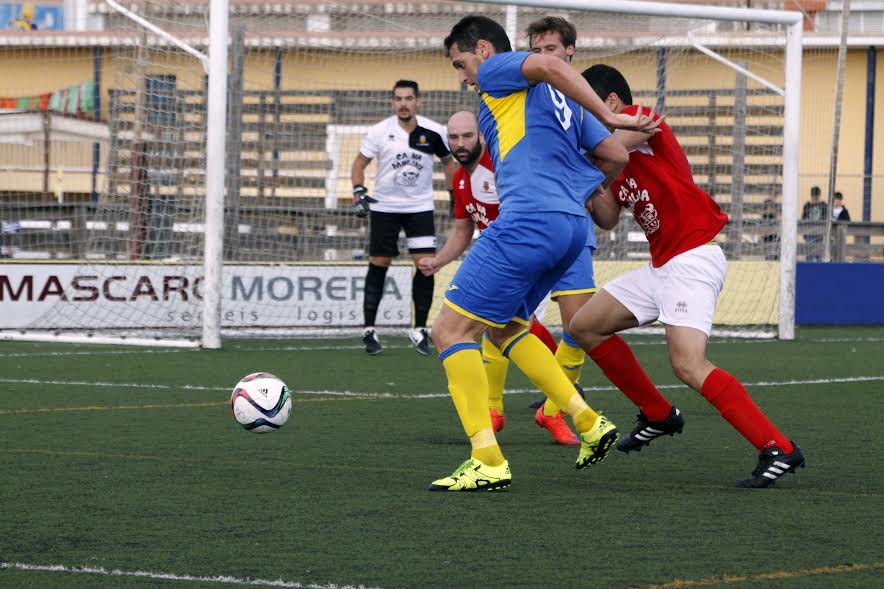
{"x": 617, "y": 361}
{"x": 545, "y": 336}
{"x": 733, "y": 402}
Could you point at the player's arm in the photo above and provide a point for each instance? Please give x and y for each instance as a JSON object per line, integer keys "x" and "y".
{"x": 449, "y": 181}
{"x": 558, "y": 74}
{"x": 448, "y": 162}
{"x": 631, "y": 139}
{"x": 357, "y": 171}
{"x": 610, "y": 157}
{"x": 604, "y": 209}
{"x": 458, "y": 239}
{"x": 361, "y": 199}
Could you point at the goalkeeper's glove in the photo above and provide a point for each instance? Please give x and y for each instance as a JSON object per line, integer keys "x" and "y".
{"x": 361, "y": 200}
{"x": 450, "y": 203}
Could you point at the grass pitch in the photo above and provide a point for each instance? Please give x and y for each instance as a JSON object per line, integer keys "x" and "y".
{"x": 127, "y": 460}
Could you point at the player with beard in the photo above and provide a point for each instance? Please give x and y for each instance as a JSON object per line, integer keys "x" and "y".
{"x": 404, "y": 145}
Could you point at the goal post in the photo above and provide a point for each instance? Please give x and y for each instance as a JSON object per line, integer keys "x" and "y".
{"x": 216, "y": 137}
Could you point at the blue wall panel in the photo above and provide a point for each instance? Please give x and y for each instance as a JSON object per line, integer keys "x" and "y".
{"x": 839, "y": 294}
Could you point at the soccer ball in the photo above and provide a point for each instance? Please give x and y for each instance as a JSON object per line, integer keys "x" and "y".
{"x": 261, "y": 402}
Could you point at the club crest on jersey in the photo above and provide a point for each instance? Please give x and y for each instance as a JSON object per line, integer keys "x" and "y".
{"x": 391, "y": 137}
{"x": 408, "y": 169}
{"x": 649, "y": 220}
{"x": 486, "y": 186}
{"x": 422, "y": 139}
{"x": 461, "y": 185}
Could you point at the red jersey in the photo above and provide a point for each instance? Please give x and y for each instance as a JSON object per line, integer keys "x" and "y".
{"x": 658, "y": 188}
{"x": 475, "y": 195}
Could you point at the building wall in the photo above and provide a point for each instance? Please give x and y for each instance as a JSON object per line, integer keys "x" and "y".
{"x": 35, "y": 72}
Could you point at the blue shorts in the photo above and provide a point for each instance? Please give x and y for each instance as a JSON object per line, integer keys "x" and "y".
{"x": 579, "y": 278}
{"x": 514, "y": 264}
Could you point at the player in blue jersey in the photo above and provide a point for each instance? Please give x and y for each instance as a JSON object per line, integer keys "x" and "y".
{"x": 534, "y": 118}
{"x": 557, "y": 37}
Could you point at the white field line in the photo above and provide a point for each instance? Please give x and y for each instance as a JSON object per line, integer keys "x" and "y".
{"x": 94, "y": 353}
{"x": 222, "y": 579}
{"x": 332, "y": 348}
{"x": 329, "y": 393}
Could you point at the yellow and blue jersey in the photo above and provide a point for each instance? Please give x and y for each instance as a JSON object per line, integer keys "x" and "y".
{"x": 535, "y": 135}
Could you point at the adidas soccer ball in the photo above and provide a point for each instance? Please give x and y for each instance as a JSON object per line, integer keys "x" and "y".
{"x": 261, "y": 402}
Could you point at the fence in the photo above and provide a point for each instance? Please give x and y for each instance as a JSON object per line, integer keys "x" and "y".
{"x": 298, "y": 234}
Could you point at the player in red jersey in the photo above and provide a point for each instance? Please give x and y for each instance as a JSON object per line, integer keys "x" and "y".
{"x": 679, "y": 288}
{"x": 476, "y": 205}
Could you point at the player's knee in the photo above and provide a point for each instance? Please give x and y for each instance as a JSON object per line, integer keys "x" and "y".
{"x": 437, "y": 337}
{"x": 381, "y": 261}
{"x": 689, "y": 370}
{"x": 497, "y": 336}
{"x": 450, "y": 328}
{"x": 585, "y": 333}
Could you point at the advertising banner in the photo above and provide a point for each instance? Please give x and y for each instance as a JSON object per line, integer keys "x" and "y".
{"x": 63, "y": 296}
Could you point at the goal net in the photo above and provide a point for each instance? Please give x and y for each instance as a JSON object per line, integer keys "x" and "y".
{"x": 306, "y": 80}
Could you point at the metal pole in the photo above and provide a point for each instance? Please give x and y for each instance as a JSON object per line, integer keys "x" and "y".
{"x": 791, "y": 144}
{"x": 871, "y": 72}
{"x": 277, "y": 86}
{"x": 96, "y": 114}
{"x": 46, "y": 148}
{"x": 661, "y": 79}
{"x": 738, "y": 159}
{"x": 512, "y": 24}
{"x": 216, "y": 131}
{"x": 234, "y": 144}
{"x": 836, "y": 129}
{"x": 762, "y": 15}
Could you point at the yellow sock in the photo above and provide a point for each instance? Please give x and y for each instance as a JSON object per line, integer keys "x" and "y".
{"x": 550, "y": 409}
{"x": 537, "y": 362}
{"x": 570, "y": 357}
{"x": 468, "y": 386}
{"x": 485, "y": 447}
{"x": 496, "y": 367}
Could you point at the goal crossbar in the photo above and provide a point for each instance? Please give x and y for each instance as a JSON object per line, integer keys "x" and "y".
{"x": 782, "y": 17}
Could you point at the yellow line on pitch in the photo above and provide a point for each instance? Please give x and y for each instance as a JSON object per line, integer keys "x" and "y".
{"x": 106, "y": 408}
{"x": 150, "y": 457}
{"x": 729, "y": 579}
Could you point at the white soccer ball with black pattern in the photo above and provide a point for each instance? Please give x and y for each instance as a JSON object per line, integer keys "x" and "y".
{"x": 261, "y": 403}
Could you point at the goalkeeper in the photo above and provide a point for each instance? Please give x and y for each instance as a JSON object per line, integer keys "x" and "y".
{"x": 404, "y": 145}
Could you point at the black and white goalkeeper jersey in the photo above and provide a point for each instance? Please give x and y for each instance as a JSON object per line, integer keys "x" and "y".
{"x": 404, "y": 180}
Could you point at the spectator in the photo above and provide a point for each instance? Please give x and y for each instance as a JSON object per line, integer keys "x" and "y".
{"x": 839, "y": 211}
{"x": 770, "y": 217}
{"x": 816, "y": 212}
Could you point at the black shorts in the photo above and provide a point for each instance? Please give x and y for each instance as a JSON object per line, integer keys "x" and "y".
{"x": 420, "y": 233}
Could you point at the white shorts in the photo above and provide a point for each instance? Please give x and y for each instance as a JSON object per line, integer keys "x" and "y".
{"x": 540, "y": 311}
{"x": 681, "y": 292}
